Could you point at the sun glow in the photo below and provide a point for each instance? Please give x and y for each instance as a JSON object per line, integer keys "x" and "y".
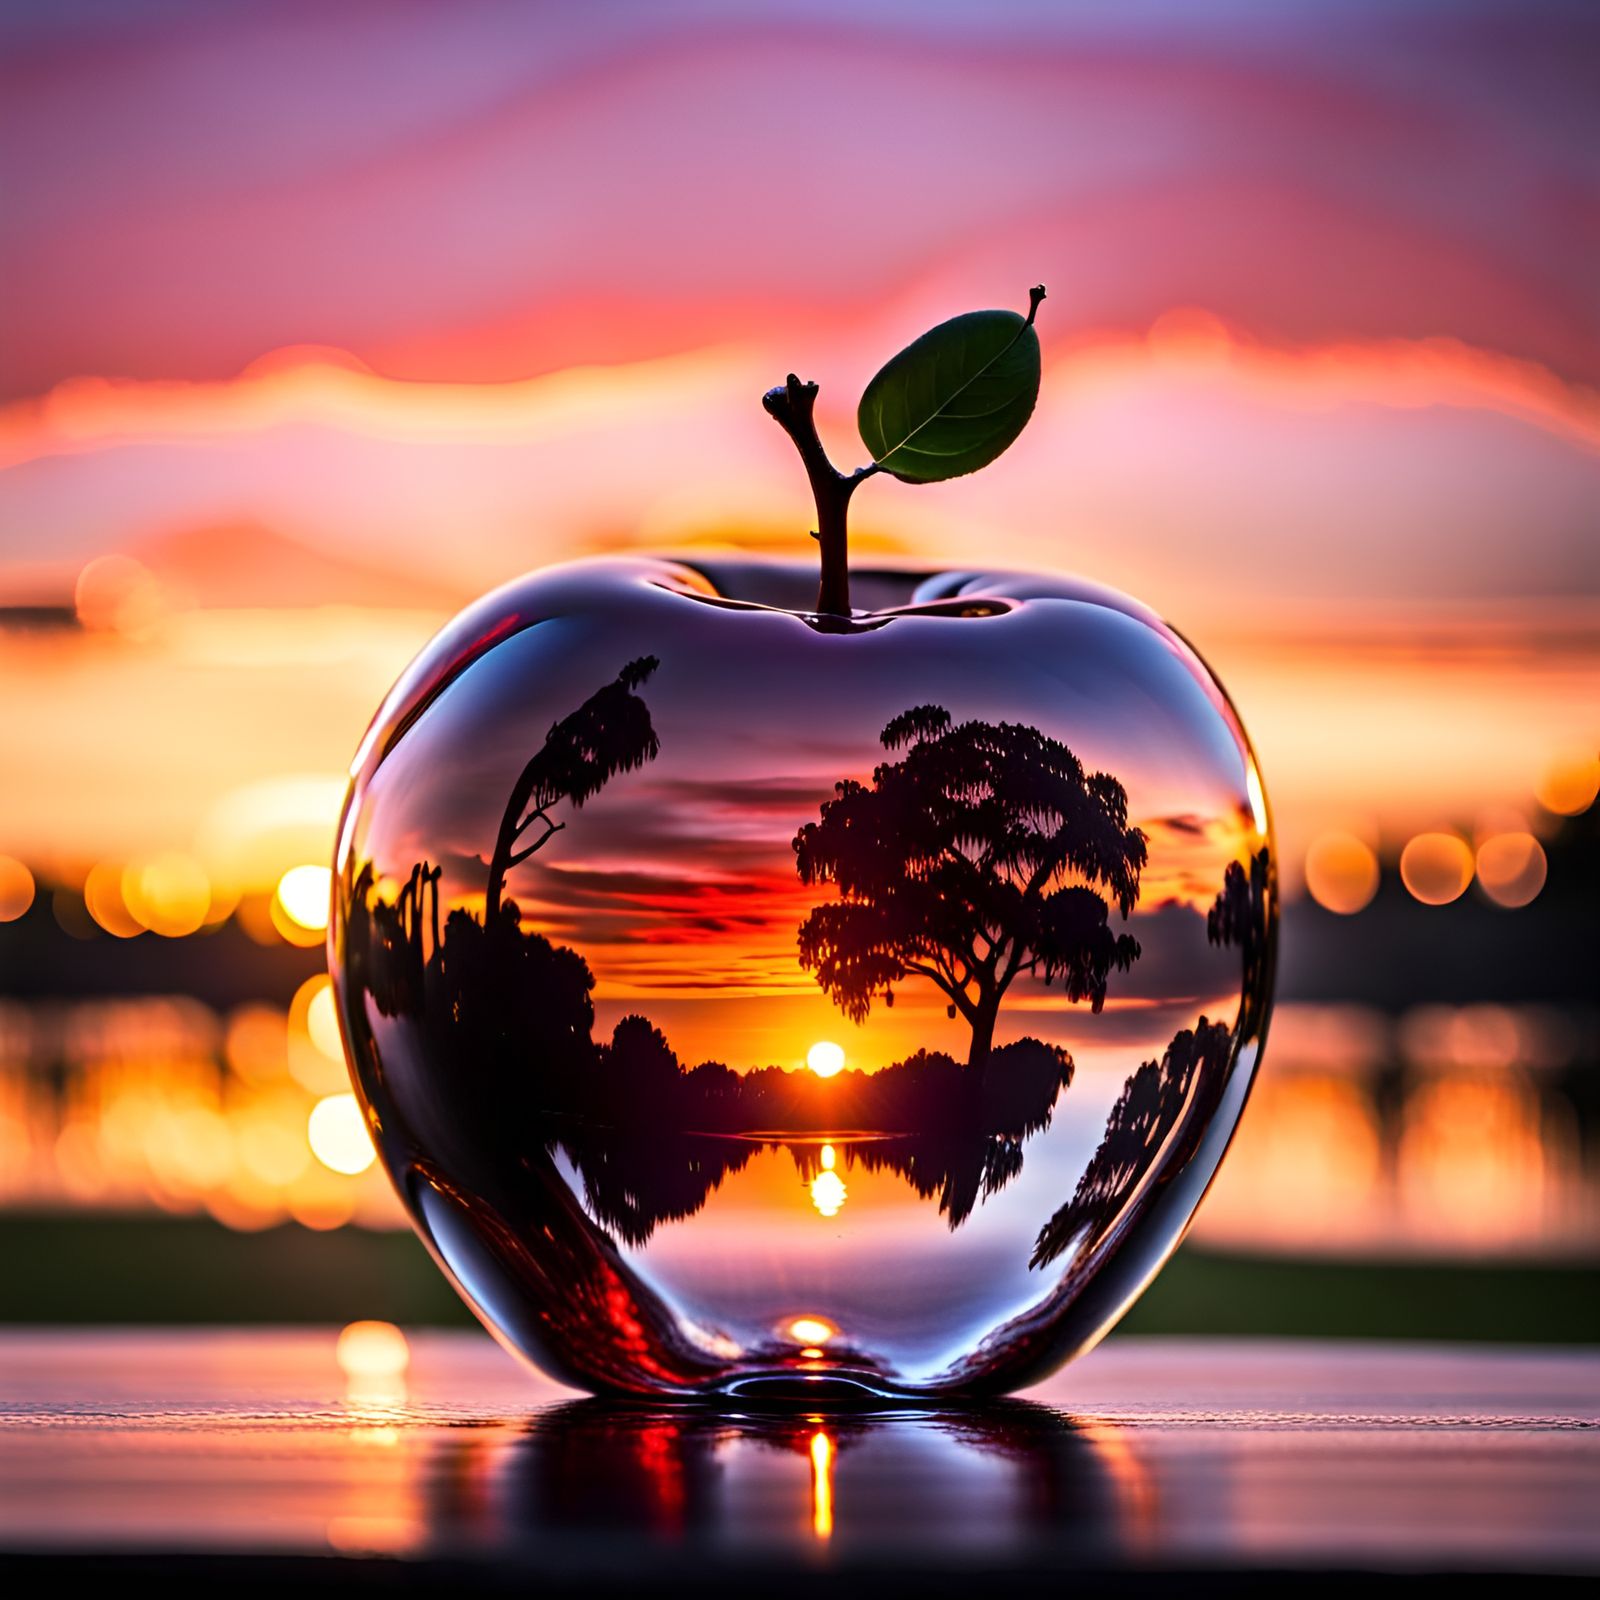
{"x": 303, "y": 893}
{"x": 822, "y": 1485}
{"x": 828, "y": 1192}
{"x": 16, "y": 888}
{"x": 825, "y": 1058}
{"x": 372, "y": 1350}
{"x": 337, "y": 1133}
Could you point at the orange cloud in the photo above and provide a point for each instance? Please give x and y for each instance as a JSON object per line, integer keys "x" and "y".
{"x": 333, "y": 390}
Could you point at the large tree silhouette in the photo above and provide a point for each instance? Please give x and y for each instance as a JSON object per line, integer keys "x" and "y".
{"x": 970, "y": 860}
{"x": 610, "y": 732}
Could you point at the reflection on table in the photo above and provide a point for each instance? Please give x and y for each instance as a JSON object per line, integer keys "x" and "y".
{"x": 1151, "y": 1453}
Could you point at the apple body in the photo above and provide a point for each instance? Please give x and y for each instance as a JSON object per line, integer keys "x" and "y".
{"x": 744, "y": 1001}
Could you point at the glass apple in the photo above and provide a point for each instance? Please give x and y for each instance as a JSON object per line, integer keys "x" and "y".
{"x": 749, "y": 995}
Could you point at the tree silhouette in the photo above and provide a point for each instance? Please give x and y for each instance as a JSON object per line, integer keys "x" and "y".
{"x": 652, "y": 1139}
{"x": 610, "y": 732}
{"x": 1137, "y": 1133}
{"x": 967, "y": 862}
{"x": 509, "y": 1017}
{"x": 1241, "y": 916}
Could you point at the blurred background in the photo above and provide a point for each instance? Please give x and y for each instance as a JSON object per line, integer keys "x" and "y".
{"x": 318, "y": 320}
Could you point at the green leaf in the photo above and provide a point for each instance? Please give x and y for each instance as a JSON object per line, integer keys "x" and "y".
{"x": 956, "y": 398}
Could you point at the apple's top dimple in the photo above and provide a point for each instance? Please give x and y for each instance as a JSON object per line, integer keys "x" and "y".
{"x": 883, "y": 592}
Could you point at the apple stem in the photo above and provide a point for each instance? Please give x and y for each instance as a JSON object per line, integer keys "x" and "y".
{"x": 793, "y": 406}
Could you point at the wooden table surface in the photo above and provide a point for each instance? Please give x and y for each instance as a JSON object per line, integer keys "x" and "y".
{"x": 247, "y": 1460}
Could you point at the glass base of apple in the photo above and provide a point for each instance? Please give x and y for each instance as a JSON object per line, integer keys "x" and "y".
{"x": 753, "y": 1003}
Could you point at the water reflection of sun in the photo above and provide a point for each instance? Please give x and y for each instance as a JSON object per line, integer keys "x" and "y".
{"x": 827, "y": 1188}
{"x": 825, "y": 1058}
{"x": 822, "y": 1485}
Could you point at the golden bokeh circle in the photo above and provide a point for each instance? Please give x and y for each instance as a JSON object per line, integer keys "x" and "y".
{"x": 1341, "y": 872}
{"x": 1436, "y": 868}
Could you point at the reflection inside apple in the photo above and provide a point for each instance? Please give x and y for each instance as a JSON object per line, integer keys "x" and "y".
{"x": 738, "y": 1002}
{"x": 760, "y": 991}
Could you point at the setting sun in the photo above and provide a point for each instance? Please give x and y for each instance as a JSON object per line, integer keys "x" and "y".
{"x": 825, "y": 1058}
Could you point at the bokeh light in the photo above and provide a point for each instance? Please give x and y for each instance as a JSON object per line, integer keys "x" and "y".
{"x": 372, "y": 1350}
{"x": 103, "y": 898}
{"x": 1436, "y": 868}
{"x": 16, "y": 888}
{"x": 255, "y": 917}
{"x": 1440, "y": 1039}
{"x": 1570, "y": 783}
{"x": 253, "y": 831}
{"x": 116, "y": 594}
{"x": 322, "y": 1022}
{"x": 268, "y": 923}
{"x": 337, "y": 1134}
{"x": 320, "y": 1199}
{"x": 194, "y": 1149}
{"x": 304, "y": 892}
{"x": 169, "y": 894}
{"x": 1511, "y": 868}
{"x": 271, "y": 1152}
{"x": 256, "y": 1043}
{"x": 316, "y": 1055}
{"x": 1341, "y": 872}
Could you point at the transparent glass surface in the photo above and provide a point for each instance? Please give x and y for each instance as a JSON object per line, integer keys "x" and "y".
{"x": 748, "y": 1002}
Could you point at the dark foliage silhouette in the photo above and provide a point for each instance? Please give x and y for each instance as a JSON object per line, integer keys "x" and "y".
{"x": 987, "y": 834}
{"x": 1136, "y": 1136}
{"x": 1241, "y": 917}
{"x": 649, "y": 1138}
{"x": 609, "y": 733}
{"x": 974, "y": 858}
{"x": 1183, "y": 1086}
{"x": 652, "y": 1140}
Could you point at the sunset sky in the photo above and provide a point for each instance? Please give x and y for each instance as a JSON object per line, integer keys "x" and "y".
{"x": 331, "y": 317}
